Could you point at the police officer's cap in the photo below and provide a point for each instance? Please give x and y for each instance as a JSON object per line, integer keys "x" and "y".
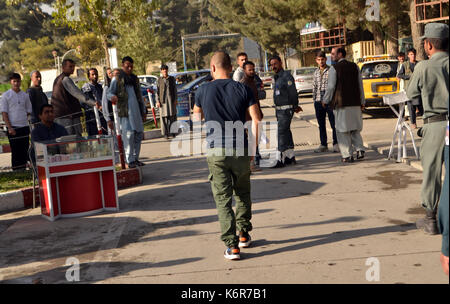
{"x": 435, "y": 30}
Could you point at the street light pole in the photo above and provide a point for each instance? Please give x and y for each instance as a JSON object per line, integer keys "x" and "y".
{"x": 184, "y": 54}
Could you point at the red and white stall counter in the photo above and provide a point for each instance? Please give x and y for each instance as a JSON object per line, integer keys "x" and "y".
{"x": 77, "y": 176}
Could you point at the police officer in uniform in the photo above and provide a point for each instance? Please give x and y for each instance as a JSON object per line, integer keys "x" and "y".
{"x": 286, "y": 103}
{"x": 430, "y": 81}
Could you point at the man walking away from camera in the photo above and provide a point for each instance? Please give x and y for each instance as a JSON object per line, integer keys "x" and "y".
{"x": 224, "y": 101}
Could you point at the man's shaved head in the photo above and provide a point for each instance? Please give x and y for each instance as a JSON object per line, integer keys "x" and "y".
{"x": 221, "y": 60}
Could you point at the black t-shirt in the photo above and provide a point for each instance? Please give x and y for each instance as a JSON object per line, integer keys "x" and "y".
{"x": 224, "y": 100}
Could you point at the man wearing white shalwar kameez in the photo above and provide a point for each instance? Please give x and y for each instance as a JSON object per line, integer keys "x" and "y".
{"x": 345, "y": 93}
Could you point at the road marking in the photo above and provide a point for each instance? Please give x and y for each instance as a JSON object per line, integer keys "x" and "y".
{"x": 100, "y": 263}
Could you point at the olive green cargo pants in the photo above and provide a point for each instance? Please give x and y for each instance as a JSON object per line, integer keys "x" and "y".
{"x": 231, "y": 175}
{"x": 432, "y": 158}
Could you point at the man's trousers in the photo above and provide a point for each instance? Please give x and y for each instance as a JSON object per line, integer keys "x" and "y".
{"x": 231, "y": 175}
{"x": 131, "y": 141}
{"x": 285, "y": 140}
{"x": 432, "y": 158}
{"x": 349, "y": 142}
{"x": 72, "y": 125}
{"x": 19, "y": 144}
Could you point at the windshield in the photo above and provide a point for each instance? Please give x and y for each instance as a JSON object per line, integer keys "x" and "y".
{"x": 149, "y": 80}
{"x": 377, "y": 70}
{"x": 194, "y": 82}
{"x": 305, "y": 71}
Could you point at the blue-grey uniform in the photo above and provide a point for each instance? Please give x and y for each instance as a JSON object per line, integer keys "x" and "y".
{"x": 430, "y": 82}
{"x": 286, "y": 101}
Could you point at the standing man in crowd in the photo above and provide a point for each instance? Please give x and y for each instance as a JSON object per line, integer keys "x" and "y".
{"x": 320, "y": 83}
{"x": 16, "y": 108}
{"x": 37, "y": 96}
{"x": 223, "y": 101}
{"x": 345, "y": 94}
{"x": 430, "y": 82}
{"x": 125, "y": 91}
{"x": 401, "y": 59}
{"x": 66, "y": 99}
{"x": 167, "y": 100}
{"x": 93, "y": 91}
{"x": 405, "y": 73}
{"x": 239, "y": 73}
{"x": 249, "y": 80}
{"x": 286, "y": 103}
{"x": 106, "y": 103}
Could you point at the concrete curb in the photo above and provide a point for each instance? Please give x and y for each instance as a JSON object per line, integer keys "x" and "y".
{"x": 416, "y": 164}
{"x": 23, "y": 198}
{"x": 153, "y": 134}
{"x": 17, "y": 199}
{"x": 5, "y": 149}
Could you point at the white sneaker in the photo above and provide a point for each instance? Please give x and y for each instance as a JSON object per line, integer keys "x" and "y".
{"x": 336, "y": 148}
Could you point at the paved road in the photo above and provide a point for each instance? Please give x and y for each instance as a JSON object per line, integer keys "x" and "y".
{"x": 316, "y": 222}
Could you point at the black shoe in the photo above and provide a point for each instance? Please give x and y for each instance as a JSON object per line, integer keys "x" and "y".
{"x": 292, "y": 161}
{"x": 360, "y": 154}
{"x": 279, "y": 165}
{"x": 132, "y": 165}
{"x": 348, "y": 160}
{"x": 428, "y": 223}
{"x": 140, "y": 164}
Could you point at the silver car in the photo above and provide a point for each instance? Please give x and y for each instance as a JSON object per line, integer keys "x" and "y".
{"x": 304, "y": 78}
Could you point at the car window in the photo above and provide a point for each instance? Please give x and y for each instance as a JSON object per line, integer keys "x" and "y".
{"x": 376, "y": 70}
{"x": 192, "y": 83}
{"x": 307, "y": 71}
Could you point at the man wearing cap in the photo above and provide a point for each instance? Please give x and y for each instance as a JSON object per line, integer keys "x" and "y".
{"x": 167, "y": 100}
{"x": 430, "y": 81}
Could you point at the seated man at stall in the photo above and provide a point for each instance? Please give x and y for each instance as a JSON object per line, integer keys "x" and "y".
{"x": 47, "y": 129}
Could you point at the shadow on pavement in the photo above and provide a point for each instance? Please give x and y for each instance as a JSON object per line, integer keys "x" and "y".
{"x": 58, "y": 275}
{"x": 318, "y": 240}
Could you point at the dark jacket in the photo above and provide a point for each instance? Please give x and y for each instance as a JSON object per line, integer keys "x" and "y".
{"x": 167, "y": 96}
{"x": 347, "y": 93}
{"x": 63, "y": 103}
{"x": 38, "y": 99}
{"x": 284, "y": 92}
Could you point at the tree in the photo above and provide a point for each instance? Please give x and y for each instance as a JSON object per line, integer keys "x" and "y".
{"x": 97, "y": 16}
{"x": 17, "y": 23}
{"x": 90, "y": 47}
{"x": 274, "y": 24}
{"x": 137, "y": 36}
{"x": 36, "y": 54}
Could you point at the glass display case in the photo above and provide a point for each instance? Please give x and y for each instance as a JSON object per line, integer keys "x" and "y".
{"x": 76, "y": 149}
{"x": 77, "y": 176}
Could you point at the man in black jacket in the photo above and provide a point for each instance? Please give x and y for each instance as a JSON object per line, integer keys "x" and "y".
{"x": 37, "y": 96}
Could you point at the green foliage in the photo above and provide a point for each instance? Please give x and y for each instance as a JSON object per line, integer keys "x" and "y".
{"x": 15, "y": 180}
{"x": 36, "y": 54}
{"x": 4, "y": 87}
{"x": 90, "y": 47}
{"x": 137, "y": 36}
